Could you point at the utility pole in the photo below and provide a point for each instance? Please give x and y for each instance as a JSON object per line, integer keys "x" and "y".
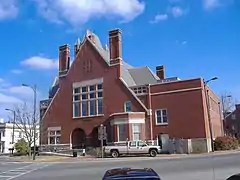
{"x": 208, "y": 110}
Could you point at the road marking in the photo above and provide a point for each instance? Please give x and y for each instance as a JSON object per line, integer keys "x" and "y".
{"x": 14, "y": 173}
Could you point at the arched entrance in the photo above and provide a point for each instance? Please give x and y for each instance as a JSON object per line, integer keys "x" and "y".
{"x": 94, "y": 140}
{"x": 78, "y": 138}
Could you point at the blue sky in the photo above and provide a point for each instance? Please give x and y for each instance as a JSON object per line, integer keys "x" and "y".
{"x": 192, "y": 38}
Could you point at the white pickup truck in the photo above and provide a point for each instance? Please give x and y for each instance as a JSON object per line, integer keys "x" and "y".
{"x": 132, "y": 147}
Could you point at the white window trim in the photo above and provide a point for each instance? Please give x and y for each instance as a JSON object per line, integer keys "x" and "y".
{"x": 161, "y": 116}
{"x": 87, "y": 100}
{"x": 118, "y": 137}
{"x": 133, "y": 132}
{"x": 125, "y": 106}
{"x": 54, "y": 136}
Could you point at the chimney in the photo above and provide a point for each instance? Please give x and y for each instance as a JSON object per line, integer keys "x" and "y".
{"x": 115, "y": 46}
{"x": 64, "y": 59}
{"x": 160, "y": 72}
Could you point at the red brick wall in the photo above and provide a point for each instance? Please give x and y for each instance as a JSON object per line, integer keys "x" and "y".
{"x": 215, "y": 114}
{"x": 60, "y": 112}
{"x": 185, "y": 109}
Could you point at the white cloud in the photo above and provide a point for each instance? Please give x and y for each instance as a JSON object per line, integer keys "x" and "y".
{"x": 20, "y": 90}
{"x": 181, "y": 42}
{"x": 38, "y": 62}
{"x": 177, "y": 11}
{"x": 210, "y": 4}
{"x": 8, "y": 99}
{"x": 8, "y": 9}
{"x": 16, "y": 71}
{"x": 159, "y": 17}
{"x": 78, "y": 12}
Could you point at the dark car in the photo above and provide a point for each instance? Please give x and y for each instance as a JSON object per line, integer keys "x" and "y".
{"x": 131, "y": 173}
{"x": 234, "y": 177}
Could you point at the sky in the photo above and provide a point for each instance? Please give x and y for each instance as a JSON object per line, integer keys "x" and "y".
{"x": 191, "y": 38}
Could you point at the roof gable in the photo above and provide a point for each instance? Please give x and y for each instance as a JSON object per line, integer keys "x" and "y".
{"x": 131, "y": 75}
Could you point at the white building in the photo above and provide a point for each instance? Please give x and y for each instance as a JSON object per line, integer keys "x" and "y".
{"x": 6, "y": 135}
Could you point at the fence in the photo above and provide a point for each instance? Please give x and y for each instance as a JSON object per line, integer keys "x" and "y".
{"x": 185, "y": 146}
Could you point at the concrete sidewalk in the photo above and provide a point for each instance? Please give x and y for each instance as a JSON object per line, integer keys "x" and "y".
{"x": 62, "y": 159}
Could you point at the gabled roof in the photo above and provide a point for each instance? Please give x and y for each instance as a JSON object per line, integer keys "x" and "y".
{"x": 131, "y": 75}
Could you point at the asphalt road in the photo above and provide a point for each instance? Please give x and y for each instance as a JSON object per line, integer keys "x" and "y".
{"x": 194, "y": 168}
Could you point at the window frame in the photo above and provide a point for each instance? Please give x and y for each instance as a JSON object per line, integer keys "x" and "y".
{"x": 55, "y": 136}
{"x": 136, "y": 132}
{"x": 118, "y": 132}
{"x": 125, "y": 106}
{"x": 156, "y": 117}
{"x": 87, "y": 92}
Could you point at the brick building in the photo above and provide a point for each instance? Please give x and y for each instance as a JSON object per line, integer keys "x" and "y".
{"x": 101, "y": 88}
{"x": 232, "y": 122}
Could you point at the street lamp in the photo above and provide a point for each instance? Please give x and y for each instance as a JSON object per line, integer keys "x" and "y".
{"x": 208, "y": 110}
{"x": 14, "y": 121}
{"x": 34, "y": 88}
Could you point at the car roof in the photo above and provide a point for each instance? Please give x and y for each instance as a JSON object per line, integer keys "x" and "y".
{"x": 131, "y": 173}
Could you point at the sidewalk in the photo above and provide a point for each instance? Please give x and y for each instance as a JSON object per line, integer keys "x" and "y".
{"x": 62, "y": 159}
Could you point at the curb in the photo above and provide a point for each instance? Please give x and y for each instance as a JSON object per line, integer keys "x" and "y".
{"x": 92, "y": 159}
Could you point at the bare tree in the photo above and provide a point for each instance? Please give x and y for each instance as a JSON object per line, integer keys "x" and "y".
{"x": 24, "y": 121}
{"x": 228, "y": 103}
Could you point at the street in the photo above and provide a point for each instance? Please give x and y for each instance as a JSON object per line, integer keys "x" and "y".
{"x": 185, "y": 168}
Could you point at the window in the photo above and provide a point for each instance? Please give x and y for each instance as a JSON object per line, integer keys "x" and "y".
{"x": 122, "y": 132}
{"x": 100, "y": 106}
{"x": 92, "y": 108}
{"x": 87, "y": 66}
{"x": 88, "y": 100}
{"x": 54, "y": 136}
{"x": 76, "y": 109}
{"x": 161, "y": 116}
{"x": 140, "y": 90}
{"x": 136, "y": 131}
{"x": 128, "y": 106}
{"x": 233, "y": 116}
{"x": 84, "y": 108}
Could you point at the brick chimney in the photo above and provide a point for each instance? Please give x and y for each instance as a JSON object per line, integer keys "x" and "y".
{"x": 160, "y": 72}
{"x": 64, "y": 59}
{"x": 115, "y": 46}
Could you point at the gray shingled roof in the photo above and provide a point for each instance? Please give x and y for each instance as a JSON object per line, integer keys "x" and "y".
{"x": 131, "y": 75}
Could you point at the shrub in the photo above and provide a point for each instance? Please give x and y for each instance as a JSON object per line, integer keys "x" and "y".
{"x": 21, "y": 147}
{"x": 225, "y": 143}
{"x": 96, "y": 152}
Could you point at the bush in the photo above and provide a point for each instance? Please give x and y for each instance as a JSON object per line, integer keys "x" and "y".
{"x": 225, "y": 143}
{"x": 96, "y": 152}
{"x": 21, "y": 147}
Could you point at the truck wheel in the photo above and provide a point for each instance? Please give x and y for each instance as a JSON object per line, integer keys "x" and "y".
{"x": 153, "y": 153}
{"x": 114, "y": 154}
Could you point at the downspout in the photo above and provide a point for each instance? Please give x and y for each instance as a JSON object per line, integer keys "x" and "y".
{"x": 150, "y": 112}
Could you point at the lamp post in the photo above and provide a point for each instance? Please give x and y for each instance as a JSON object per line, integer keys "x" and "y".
{"x": 208, "y": 110}
{"x": 34, "y": 88}
{"x": 14, "y": 121}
